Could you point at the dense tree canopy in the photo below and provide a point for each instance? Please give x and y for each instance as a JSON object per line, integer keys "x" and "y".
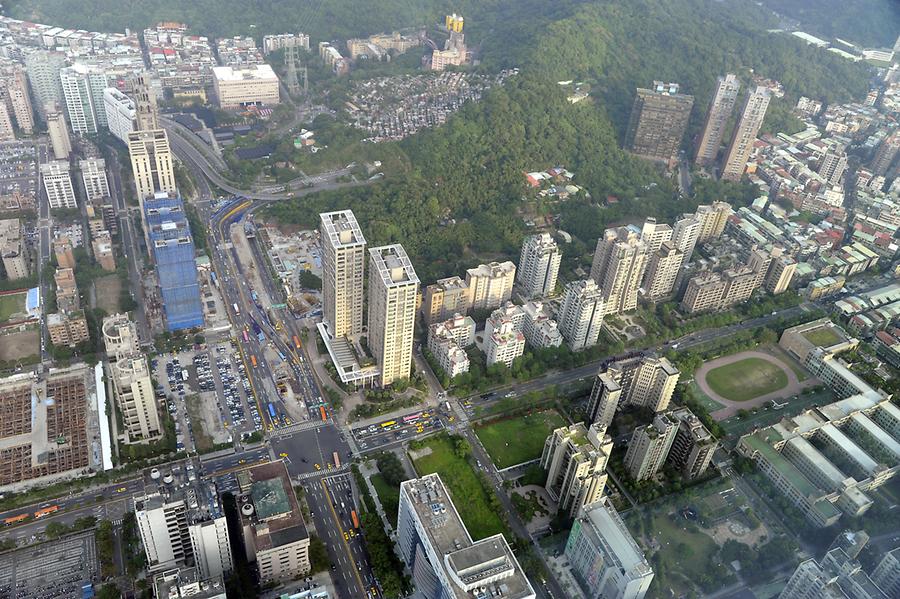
{"x": 867, "y": 22}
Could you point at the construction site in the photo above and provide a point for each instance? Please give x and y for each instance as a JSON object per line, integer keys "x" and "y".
{"x": 49, "y": 426}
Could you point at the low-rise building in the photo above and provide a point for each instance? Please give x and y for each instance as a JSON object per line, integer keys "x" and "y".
{"x": 12, "y": 250}
{"x": 539, "y": 328}
{"x": 250, "y": 85}
{"x": 275, "y": 535}
{"x": 67, "y": 328}
{"x": 447, "y": 341}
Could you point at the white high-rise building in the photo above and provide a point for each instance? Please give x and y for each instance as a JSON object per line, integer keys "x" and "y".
{"x": 83, "y": 88}
{"x": 607, "y": 561}
{"x": 121, "y": 113}
{"x": 129, "y": 373}
{"x": 186, "y": 524}
{"x": 93, "y": 175}
{"x": 662, "y": 271}
{"x": 618, "y": 268}
{"x": 650, "y": 446}
{"x": 745, "y": 131}
{"x": 58, "y": 184}
{"x": 59, "y": 134}
{"x": 581, "y": 316}
{"x": 713, "y": 218}
{"x": 444, "y": 561}
{"x": 393, "y": 286}
{"x": 539, "y": 328}
{"x": 343, "y": 262}
{"x": 717, "y": 118}
{"x": 43, "y": 69}
{"x": 654, "y": 234}
{"x": 575, "y": 458}
{"x": 685, "y": 234}
{"x": 538, "y": 265}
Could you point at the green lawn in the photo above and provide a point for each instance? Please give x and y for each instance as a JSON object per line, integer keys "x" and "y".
{"x": 469, "y": 496}
{"x": 388, "y": 496}
{"x": 823, "y": 336}
{"x": 11, "y": 304}
{"x": 746, "y": 379}
{"x": 515, "y": 440}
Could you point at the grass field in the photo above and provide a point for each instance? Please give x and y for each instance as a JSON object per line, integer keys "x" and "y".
{"x": 11, "y": 304}
{"x": 388, "y": 496}
{"x": 823, "y": 336}
{"x": 469, "y": 496}
{"x": 747, "y": 379}
{"x": 515, "y": 440}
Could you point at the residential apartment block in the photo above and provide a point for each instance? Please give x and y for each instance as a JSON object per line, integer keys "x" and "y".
{"x": 538, "y": 265}
{"x": 393, "y": 287}
{"x": 12, "y": 249}
{"x": 581, "y": 315}
{"x": 447, "y": 341}
{"x": 744, "y": 136}
{"x": 58, "y": 184}
{"x": 723, "y": 100}
{"x": 575, "y": 458}
{"x": 641, "y": 381}
{"x": 658, "y": 121}
{"x": 343, "y": 264}
{"x": 132, "y": 385}
{"x": 445, "y": 298}
{"x": 618, "y": 268}
{"x": 650, "y": 446}
{"x": 490, "y": 285}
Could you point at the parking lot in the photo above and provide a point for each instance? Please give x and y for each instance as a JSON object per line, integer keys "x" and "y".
{"x": 19, "y": 174}
{"x": 225, "y": 402}
{"x": 53, "y": 570}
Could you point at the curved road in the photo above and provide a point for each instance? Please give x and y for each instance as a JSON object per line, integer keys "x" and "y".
{"x": 186, "y": 152}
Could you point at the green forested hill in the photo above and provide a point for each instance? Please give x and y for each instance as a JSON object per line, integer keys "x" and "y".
{"x": 872, "y": 23}
{"x": 470, "y": 170}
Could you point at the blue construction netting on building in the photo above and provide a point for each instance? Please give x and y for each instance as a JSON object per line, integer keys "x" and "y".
{"x": 173, "y": 252}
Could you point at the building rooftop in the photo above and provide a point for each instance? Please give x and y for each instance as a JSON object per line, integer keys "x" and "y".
{"x": 468, "y": 564}
{"x": 258, "y": 72}
{"x": 616, "y": 539}
{"x": 275, "y": 518}
{"x": 392, "y": 264}
{"x": 342, "y": 228}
